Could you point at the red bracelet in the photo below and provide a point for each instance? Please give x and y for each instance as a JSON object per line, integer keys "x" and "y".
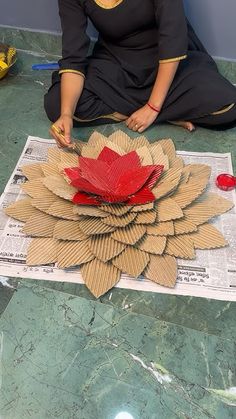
{"x": 153, "y": 108}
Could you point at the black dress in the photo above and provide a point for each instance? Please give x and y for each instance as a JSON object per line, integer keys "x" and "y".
{"x": 134, "y": 37}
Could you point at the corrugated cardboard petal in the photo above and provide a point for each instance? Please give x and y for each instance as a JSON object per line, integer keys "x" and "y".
{"x": 168, "y": 209}
{"x": 210, "y": 206}
{"x": 130, "y": 234}
{"x": 91, "y": 152}
{"x": 90, "y": 211}
{"x": 63, "y": 209}
{"x": 158, "y": 155}
{"x": 165, "y": 228}
{"x": 32, "y": 171}
{"x": 42, "y": 252}
{"x": 168, "y": 148}
{"x": 73, "y": 254}
{"x": 49, "y": 169}
{"x": 36, "y": 189}
{"x": 68, "y": 230}
{"x": 104, "y": 247}
{"x": 97, "y": 139}
{"x": 168, "y": 182}
{"x": 40, "y": 225}
{"x": 162, "y": 270}
{"x": 138, "y": 142}
{"x": 180, "y": 247}
{"x": 146, "y": 217}
{"x": 121, "y": 139}
{"x": 144, "y": 207}
{"x": 54, "y": 155}
{"x": 132, "y": 261}
{"x": 43, "y": 204}
{"x": 60, "y": 187}
{"x": 178, "y": 163}
{"x": 153, "y": 244}
{"x": 123, "y": 221}
{"x": 184, "y": 226}
{"x": 21, "y": 210}
{"x": 208, "y": 237}
{"x": 116, "y": 209}
{"x": 91, "y": 226}
{"x": 99, "y": 277}
{"x": 69, "y": 158}
{"x": 145, "y": 156}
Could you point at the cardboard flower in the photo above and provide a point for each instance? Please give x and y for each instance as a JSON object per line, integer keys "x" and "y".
{"x": 113, "y": 178}
{"x": 125, "y": 206}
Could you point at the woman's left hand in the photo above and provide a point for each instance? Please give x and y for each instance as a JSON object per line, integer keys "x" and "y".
{"x": 141, "y": 119}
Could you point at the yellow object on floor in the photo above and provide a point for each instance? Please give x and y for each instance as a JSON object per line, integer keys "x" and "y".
{"x": 7, "y": 59}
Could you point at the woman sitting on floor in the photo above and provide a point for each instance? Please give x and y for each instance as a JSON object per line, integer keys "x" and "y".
{"x": 147, "y": 66}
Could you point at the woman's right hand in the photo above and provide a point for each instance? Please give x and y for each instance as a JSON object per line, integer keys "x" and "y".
{"x": 61, "y": 131}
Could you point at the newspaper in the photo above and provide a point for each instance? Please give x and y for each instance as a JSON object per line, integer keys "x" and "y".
{"x": 211, "y": 275}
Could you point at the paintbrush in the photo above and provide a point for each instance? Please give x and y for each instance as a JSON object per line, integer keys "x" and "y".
{"x": 72, "y": 146}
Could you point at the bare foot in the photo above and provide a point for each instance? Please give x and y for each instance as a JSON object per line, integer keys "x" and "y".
{"x": 184, "y": 124}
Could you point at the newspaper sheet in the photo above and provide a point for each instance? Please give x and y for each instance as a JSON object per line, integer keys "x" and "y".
{"x": 211, "y": 275}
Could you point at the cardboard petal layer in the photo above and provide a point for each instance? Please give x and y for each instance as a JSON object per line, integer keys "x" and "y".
{"x": 89, "y": 211}
{"x": 203, "y": 210}
{"x": 180, "y": 247}
{"x": 184, "y": 226}
{"x": 130, "y": 234}
{"x": 59, "y": 187}
{"x": 162, "y": 270}
{"x": 63, "y": 209}
{"x": 116, "y": 209}
{"x": 42, "y": 252}
{"x": 168, "y": 148}
{"x": 32, "y": 171}
{"x": 36, "y": 189}
{"x": 153, "y": 244}
{"x": 40, "y": 225}
{"x": 54, "y": 155}
{"x": 123, "y": 221}
{"x": 100, "y": 277}
{"x": 208, "y": 237}
{"x": 43, "y": 204}
{"x": 146, "y": 217}
{"x": 68, "y": 230}
{"x": 49, "y": 169}
{"x": 73, "y": 254}
{"x": 93, "y": 226}
{"x": 168, "y": 182}
{"x": 158, "y": 156}
{"x": 131, "y": 260}
{"x": 104, "y": 247}
{"x": 168, "y": 209}
{"x": 21, "y": 210}
{"x": 165, "y": 228}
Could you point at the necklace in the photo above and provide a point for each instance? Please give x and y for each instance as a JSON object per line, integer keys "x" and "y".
{"x": 105, "y": 6}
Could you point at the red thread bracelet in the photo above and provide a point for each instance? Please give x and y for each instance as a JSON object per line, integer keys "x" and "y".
{"x": 153, "y": 108}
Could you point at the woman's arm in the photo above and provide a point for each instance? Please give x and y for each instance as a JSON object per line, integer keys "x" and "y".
{"x": 145, "y": 116}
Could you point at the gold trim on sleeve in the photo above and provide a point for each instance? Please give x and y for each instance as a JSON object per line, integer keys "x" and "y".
{"x": 105, "y": 6}
{"x": 224, "y": 110}
{"x": 172, "y": 60}
{"x": 72, "y": 71}
{"x": 114, "y": 116}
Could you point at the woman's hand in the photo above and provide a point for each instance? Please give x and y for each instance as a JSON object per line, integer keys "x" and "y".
{"x": 141, "y": 119}
{"x": 61, "y": 130}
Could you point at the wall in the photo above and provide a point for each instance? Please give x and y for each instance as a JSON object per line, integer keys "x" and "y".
{"x": 213, "y": 20}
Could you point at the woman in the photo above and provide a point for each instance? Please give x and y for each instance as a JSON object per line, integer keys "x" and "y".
{"x": 148, "y": 66}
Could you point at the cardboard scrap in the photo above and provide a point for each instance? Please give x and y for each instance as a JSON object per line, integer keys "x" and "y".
{"x": 21, "y": 210}
{"x": 99, "y": 277}
{"x": 73, "y": 254}
{"x": 104, "y": 247}
{"x": 42, "y": 251}
{"x": 162, "y": 270}
{"x": 132, "y": 261}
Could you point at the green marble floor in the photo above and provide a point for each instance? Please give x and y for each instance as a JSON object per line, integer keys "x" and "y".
{"x": 63, "y": 355}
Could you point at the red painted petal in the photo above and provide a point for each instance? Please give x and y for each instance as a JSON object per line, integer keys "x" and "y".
{"x": 133, "y": 180}
{"x": 143, "y": 196}
{"x": 108, "y": 156}
{"x": 114, "y": 198}
{"x": 81, "y": 198}
{"x": 154, "y": 176}
{"x": 96, "y": 171}
{"x": 84, "y": 185}
{"x": 121, "y": 165}
{"x": 72, "y": 172}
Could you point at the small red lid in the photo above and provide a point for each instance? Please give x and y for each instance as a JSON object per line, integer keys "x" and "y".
{"x": 226, "y": 182}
